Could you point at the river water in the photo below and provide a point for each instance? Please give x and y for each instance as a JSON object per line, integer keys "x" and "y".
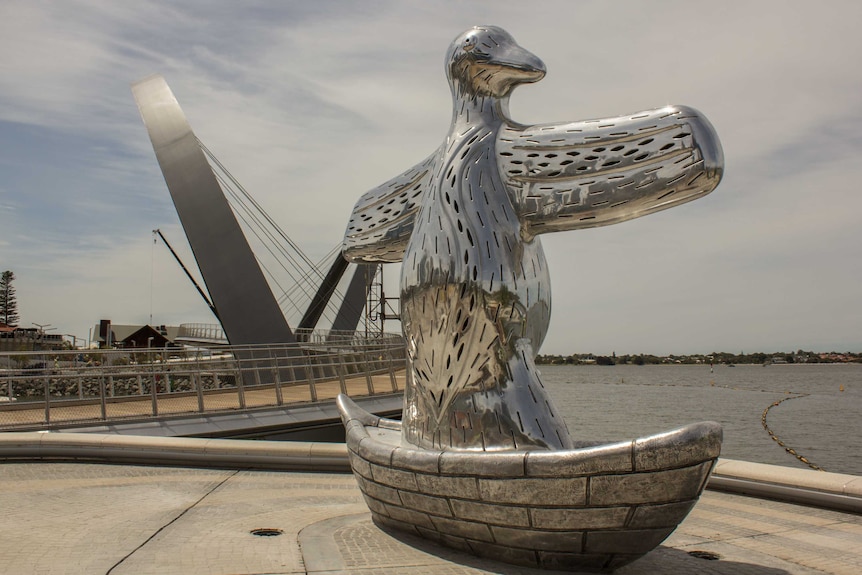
{"x": 820, "y": 422}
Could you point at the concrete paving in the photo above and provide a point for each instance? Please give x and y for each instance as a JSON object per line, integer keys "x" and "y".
{"x": 124, "y": 519}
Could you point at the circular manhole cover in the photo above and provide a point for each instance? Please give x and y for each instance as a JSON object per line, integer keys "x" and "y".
{"x": 266, "y": 532}
{"x": 708, "y": 555}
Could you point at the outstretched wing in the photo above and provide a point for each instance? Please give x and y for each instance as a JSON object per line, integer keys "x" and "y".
{"x": 599, "y": 172}
{"x": 382, "y": 219}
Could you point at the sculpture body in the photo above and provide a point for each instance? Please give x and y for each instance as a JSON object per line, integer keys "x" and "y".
{"x": 482, "y": 461}
{"x": 475, "y": 302}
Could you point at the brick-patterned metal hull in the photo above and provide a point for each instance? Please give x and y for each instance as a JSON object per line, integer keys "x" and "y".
{"x": 592, "y": 508}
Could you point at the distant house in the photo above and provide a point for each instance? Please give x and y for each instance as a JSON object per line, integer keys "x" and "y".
{"x": 835, "y": 357}
{"x": 134, "y": 336}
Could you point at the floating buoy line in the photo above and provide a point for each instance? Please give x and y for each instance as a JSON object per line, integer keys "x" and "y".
{"x": 776, "y": 439}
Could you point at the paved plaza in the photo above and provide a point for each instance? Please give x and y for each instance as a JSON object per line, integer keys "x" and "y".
{"x": 115, "y": 519}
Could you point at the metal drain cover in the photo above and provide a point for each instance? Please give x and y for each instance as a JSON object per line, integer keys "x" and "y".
{"x": 708, "y": 555}
{"x": 266, "y": 532}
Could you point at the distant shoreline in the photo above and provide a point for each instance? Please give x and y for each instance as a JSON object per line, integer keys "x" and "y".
{"x": 813, "y": 364}
{"x": 715, "y": 358}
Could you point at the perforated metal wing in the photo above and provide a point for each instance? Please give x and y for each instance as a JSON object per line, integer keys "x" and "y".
{"x": 563, "y": 177}
{"x": 598, "y": 172}
{"x": 382, "y": 219}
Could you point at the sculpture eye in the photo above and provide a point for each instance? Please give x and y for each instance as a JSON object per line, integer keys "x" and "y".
{"x": 469, "y": 43}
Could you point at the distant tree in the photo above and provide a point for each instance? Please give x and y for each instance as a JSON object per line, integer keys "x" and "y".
{"x": 8, "y": 303}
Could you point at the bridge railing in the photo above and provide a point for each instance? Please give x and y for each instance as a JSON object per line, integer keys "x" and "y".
{"x": 44, "y": 390}
{"x": 202, "y": 332}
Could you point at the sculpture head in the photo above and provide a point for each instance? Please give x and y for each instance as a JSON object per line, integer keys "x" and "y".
{"x": 486, "y": 61}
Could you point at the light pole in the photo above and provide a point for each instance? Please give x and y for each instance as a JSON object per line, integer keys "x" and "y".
{"x": 75, "y": 339}
{"x": 41, "y": 332}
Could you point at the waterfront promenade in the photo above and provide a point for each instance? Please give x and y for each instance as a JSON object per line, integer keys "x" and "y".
{"x": 124, "y": 519}
{"x": 33, "y": 414}
{"x": 122, "y": 387}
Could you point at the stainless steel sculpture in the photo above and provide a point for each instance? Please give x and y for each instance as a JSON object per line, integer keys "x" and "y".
{"x": 475, "y": 288}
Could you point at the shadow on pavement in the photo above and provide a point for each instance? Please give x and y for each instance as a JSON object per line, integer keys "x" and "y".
{"x": 342, "y": 544}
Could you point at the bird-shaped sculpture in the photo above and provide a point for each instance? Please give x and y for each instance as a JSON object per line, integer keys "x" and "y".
{"x": 475, "y": 287}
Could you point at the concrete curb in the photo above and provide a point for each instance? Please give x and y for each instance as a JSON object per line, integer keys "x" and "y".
{"x": 808, "y": 487}
{"x": 779, "y": 475}
{"x": 186, "y": 451}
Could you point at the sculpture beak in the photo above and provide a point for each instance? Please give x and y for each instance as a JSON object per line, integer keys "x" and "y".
{"x": 528, "y": 66}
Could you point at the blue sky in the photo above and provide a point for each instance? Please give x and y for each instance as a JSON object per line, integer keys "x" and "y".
{"x": 309, "y": 104}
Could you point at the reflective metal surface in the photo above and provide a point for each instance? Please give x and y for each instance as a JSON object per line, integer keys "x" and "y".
{"x": 475, "y": 288}
{"x": 246, "y": 307}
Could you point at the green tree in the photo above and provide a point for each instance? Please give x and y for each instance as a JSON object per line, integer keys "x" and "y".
{"x": 8, "y": 303}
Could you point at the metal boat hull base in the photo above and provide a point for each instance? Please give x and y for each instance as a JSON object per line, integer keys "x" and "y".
{"x": 594, "y": 508}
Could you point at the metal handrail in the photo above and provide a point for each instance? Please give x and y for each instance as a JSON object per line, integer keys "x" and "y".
{"x": 51, "y": 389}
{"x": 202, "y": 331}
{"x": 213, "y": 333}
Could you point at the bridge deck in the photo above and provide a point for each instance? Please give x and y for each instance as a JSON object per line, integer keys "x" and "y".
{"x": 32, "y": 414}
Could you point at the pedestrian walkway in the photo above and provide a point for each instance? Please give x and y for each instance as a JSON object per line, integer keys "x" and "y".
{"x": 26, "y": 415}
{"x": 116, "y": 519}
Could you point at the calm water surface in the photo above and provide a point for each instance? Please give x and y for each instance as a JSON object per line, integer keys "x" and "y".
{"x": 821, "y": 423}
